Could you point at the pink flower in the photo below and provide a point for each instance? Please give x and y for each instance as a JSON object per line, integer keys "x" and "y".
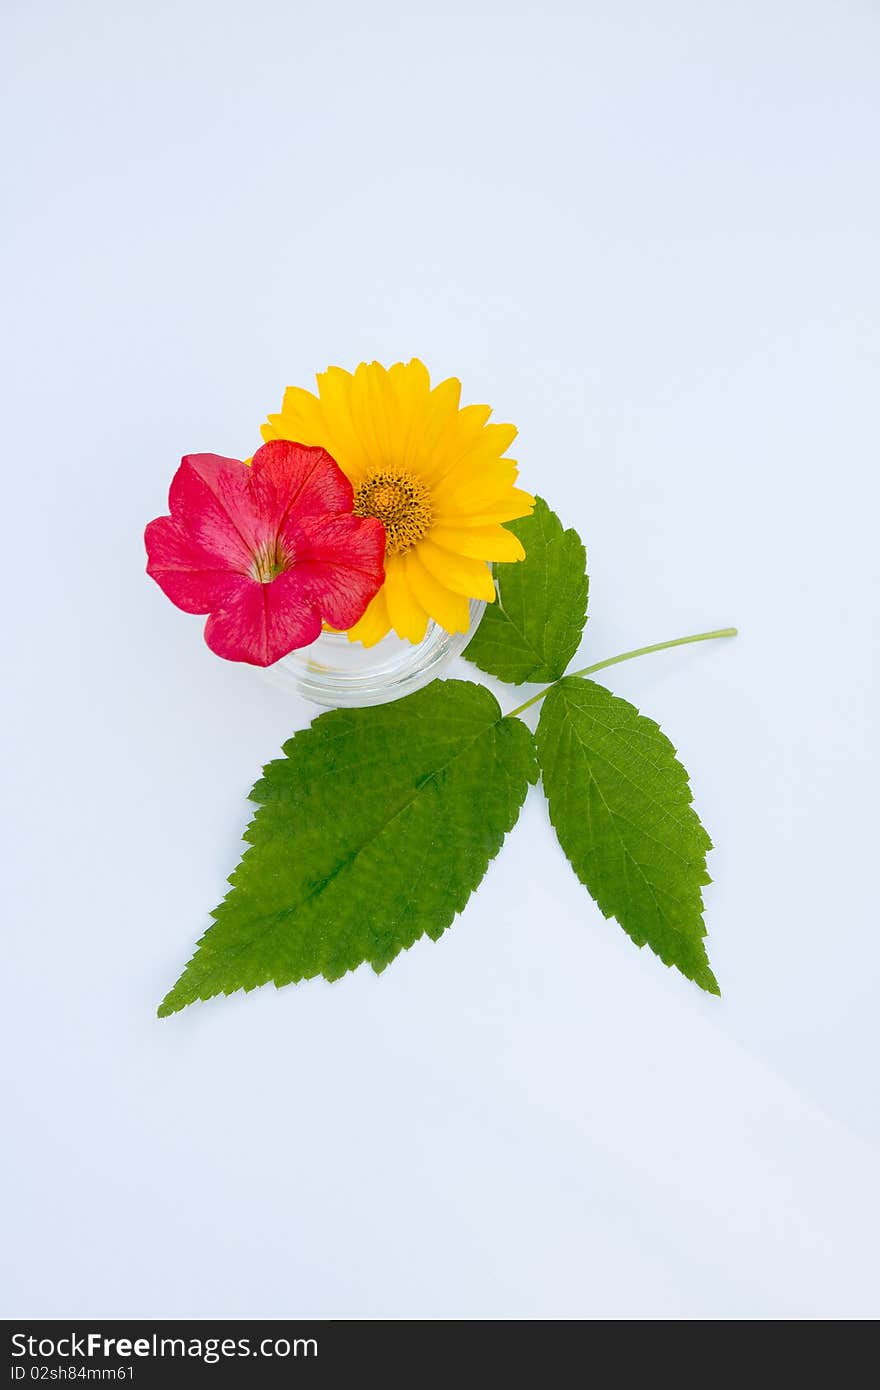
{"x": 270, "y": 550}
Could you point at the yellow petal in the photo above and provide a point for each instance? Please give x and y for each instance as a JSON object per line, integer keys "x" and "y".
{"x": 341, "y": 438}
{"x": 300, "y": 417}
{"x": 324, "y": 419}
{"x": 460, "y": 434}
{"x": 446, "y": 399}
{"x": 450, "y": 610}
{"x": 498, "y": 437}
{"x": 408, "y": 617}
{"x": 411, "y": 381}
{"x": 337, "y": 376}
{"x": 512, "y": 504}
{"x": 464, "y": 576}
{"x": 411, "y": 390}
{"x": 375, "y": 623}
{"x": 479, "y": 542}
{"x": 471, "y": 453}
{"x": 442, "y": 406}
{"x": 369, "y": 415}
{"x": 470, "y": 488}
{"x": 414, "y": 371}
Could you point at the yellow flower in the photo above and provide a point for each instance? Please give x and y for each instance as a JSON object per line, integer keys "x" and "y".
{"x": 431, "y": 471}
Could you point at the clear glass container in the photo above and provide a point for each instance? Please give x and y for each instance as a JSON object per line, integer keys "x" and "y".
{"x": 338, "y": 673}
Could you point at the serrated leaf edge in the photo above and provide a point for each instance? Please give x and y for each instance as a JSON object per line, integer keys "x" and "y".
{"x": 532, "y": 778}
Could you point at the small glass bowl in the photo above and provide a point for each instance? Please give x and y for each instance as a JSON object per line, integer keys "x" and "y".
{"x": 337, "y": 673}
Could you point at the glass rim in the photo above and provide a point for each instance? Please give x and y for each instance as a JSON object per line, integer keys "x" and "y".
{"x": 311, "y": 672}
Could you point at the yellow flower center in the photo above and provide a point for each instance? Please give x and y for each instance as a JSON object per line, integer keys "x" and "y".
{"x": 401, "y": 502}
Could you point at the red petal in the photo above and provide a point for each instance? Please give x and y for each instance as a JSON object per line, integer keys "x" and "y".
{"x": 210, "y": 499}
{"x": 188, "y": 575}
{"x": 261, "y": 623}
{"x": 339, "y": 563}
{"x": 294, "y": 480}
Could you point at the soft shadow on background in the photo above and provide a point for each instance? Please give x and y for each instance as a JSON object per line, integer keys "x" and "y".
{"x": 648, "y": 235}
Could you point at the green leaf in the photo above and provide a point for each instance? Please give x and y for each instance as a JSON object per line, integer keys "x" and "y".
{"x": 373, "y": 829}
{"x": 621, "y": 806}
{"x": 535, "y": 628}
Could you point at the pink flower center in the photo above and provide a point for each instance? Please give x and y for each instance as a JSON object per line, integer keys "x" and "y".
{"x": 270, "y": 561}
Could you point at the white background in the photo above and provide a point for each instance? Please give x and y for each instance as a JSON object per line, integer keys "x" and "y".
{"x": 648, "y": 234}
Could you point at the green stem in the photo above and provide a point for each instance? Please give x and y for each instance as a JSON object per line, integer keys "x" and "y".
{"x": 627, "y": 656}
